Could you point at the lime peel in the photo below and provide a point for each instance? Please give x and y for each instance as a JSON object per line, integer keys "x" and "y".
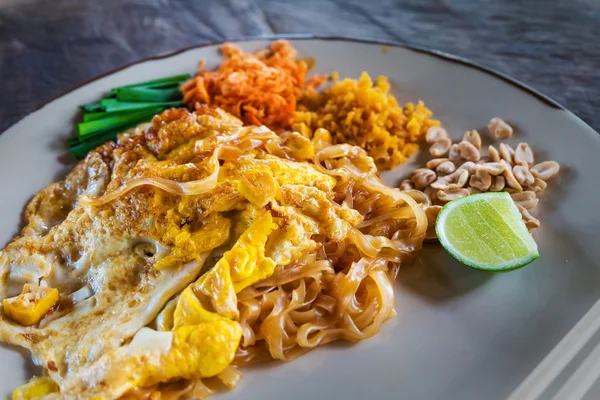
{"x": 486, "y": 231}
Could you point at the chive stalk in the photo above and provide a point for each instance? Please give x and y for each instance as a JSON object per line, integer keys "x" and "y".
{"x": 116, "y": 122}
{"x": 91, "y": 107}
{"x": 122, "y": 108}
{"x": 148, "y": 95}
{"x": 155, "y": 83}
{"x": 73, "y": 141}
{"x": 81, "y": 150}
{"x": 87, "y": 117}
{"x": 111, "y": 105}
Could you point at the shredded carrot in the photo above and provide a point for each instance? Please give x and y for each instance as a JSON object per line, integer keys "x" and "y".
{"x": 260, "y": 89}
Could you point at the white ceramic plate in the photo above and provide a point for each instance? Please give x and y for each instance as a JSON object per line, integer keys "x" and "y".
{"x": 460, "y": 334}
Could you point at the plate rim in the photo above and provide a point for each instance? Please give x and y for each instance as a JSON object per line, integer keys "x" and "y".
{"x": 325, "y": 37}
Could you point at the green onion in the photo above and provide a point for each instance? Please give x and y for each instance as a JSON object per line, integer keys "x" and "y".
{"x": 116, "y": 122}
{"x": 91, "y": 107}
{"x": 148, "y": 95}
{"x": 87, "y": 117}
{"x": 81, "y": 150}
{"x": 155, "y": 83}
{"x": 73, "y": 141}
{"x": 124, "y": 107}
{"x": 114, "y": 105}
{"x": 113, "y": 92}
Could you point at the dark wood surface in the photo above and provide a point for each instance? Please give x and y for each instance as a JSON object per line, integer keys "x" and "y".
{"x": 49, "y": 46}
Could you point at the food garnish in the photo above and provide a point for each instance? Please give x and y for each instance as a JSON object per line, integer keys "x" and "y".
{"x": 462, "y": 169}
{"x": 485, "y": 231}
{"x": 260, "y": 89}
{"x": 365, "y": 114}
{"x": 122, "y": 108}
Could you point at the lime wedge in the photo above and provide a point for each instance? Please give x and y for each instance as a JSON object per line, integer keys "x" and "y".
{"x": 485, "y": 231}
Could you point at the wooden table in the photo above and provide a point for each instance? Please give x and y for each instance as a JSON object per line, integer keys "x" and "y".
{"x": 49, "y": 46}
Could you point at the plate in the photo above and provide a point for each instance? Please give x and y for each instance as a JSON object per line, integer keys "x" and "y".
{"x": 460, "y": 333}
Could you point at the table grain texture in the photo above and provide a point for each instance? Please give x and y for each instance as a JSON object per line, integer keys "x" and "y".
{"x": 49, "y": 46}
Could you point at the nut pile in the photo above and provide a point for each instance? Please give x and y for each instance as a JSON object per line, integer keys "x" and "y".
{"x": 458, "y": 170}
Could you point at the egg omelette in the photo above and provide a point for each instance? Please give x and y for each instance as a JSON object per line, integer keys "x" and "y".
{"x": 126, "y": 273}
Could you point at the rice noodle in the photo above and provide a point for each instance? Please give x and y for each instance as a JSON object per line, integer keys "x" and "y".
{"x": 236, "y": 146}
{"x": 177, "y": 188}
{"x": 230, "y": 377}
{"x": 344, "y": 290}
{"x": 201, "y": 391}
{"x": 340, "y": 289}
{"x": 395, "y": 214}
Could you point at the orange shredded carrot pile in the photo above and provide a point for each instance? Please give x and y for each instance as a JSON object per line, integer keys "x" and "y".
{"x": 260, "y": 89}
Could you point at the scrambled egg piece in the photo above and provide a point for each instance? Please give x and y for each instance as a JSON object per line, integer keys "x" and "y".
{"x": 188, "y": 352}
{"x": 109, "y": 271}
{"x": 35, "y": 389}
{"x": 239, "y": 267}
{"x": 192, "y": 245}
{"x": 31, "y": 305}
